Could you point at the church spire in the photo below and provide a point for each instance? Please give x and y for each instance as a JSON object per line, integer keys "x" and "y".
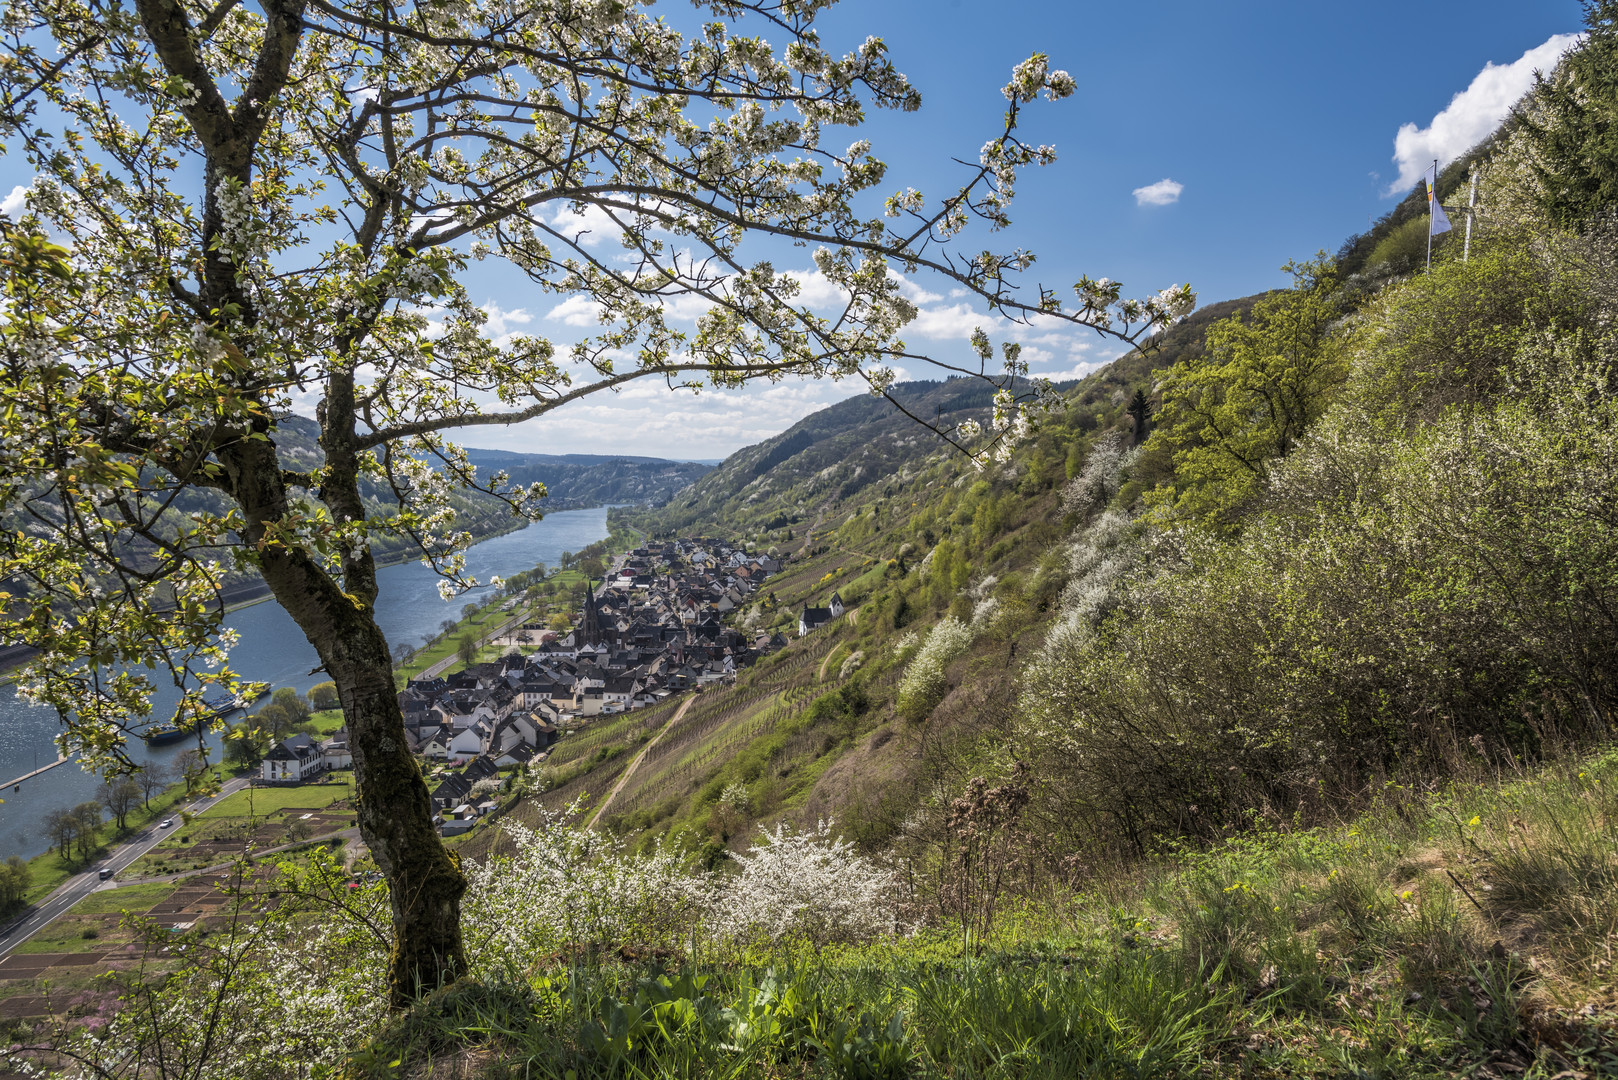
{"x": 590, "y": 629}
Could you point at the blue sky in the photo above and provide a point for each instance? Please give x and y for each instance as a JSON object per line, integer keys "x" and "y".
{"x": 1278, "y": 119}
{"x": 1275, "y": 123}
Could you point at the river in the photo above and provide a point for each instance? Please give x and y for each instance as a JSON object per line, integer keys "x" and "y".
{"x": 274, "y": 650}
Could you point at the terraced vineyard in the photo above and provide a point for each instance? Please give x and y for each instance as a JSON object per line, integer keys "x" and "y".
{"x": 670, "y": 772}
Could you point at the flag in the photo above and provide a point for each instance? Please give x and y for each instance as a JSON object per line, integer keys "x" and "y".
{"x": 1438, "y": 221}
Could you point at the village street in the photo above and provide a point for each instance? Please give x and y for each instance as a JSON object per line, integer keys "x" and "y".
{"x": 76, "y": 888}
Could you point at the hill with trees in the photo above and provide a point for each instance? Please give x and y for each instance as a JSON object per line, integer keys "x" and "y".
{"x": 575, "y": 481}
{"x": 1249, "y": 714}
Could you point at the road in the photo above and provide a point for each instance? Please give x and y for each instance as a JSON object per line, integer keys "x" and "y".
{"x": 454, "y": 658}
{"x": 76, "y": 888}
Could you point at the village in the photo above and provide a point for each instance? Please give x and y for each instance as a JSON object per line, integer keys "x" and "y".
{"x": 653, "y": 629}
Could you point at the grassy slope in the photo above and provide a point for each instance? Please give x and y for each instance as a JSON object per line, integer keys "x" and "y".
{"x": 1464, "y": 932}
{"x": 797, "y": 758}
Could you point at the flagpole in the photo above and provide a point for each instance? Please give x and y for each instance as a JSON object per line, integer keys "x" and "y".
{"x": 1432, "y": 195}
{"x": 1471, "y": 212}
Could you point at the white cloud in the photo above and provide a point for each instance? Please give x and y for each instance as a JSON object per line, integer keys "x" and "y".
{"x": 438, "y": 220}
{"x": 1471, "y": 114}
{"x": 647, "y": 418}
{"x": 12, "y": 205}
{"x": 1162, "y": 193}
{"x": 502, "y": 324}
{"x": 1078, "y": 370}
{"x": 589, "y": 228}
{"x": 915, "y": 293}
{"x": 576, "y": 311}
{"x": 954, "y": 321}
{"x": 816, "y": 289}
{"x": 686, "y": 306}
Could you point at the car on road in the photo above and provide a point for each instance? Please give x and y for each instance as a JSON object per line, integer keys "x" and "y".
{"x": 166, "y": 823}
{"x": 105, "y": 873}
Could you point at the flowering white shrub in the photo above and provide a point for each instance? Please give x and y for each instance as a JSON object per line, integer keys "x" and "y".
{"x": 305, "y": 983}
{"x": 735, "y": 797}
{"x": 1101, "y": 477}
{"x": 297, "y": 976}
{"x": 852, "y": 664}
{"x": 923, "y": 684}
{"x": 804, "y": 884}
{"x": 1100, "y": 557}
{"x": 568, "y": 887}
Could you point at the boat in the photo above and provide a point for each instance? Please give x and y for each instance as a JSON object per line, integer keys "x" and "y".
{"x": 217, "y": 709}
{"x": 160, "y": 734}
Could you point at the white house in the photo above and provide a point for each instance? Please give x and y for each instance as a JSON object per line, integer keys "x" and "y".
{"x": 469, "y": 742}
{"x": 335, "y": 751}
{"x": 812, "y": 619}
{"x": 293, "y": 760}
{"x": 436, "y": 748}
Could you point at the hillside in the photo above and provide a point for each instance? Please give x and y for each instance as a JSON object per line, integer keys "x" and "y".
{"x": 574, "y": 481}
{"x": 979, "y": 600}
{"x": 1256, "y": 719}
{"x": 830, "y": 455}
{"x": 841, "y": 454}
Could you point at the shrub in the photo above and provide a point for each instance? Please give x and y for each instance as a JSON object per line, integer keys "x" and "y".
{"x": 1402, "y": 250}
{"x": 807, "y": 885}
{"x": 1404, "y": 593}
{"x": 924, "y": 684}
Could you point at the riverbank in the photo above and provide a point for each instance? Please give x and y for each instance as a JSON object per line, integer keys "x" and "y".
{"x": 48, "y": 870}
{"x": 273, "y": 650}
{"x": 485, "y": 622}
{"x": 252, "y": 594}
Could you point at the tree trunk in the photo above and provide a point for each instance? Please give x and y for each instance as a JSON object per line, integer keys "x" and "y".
{"x": 425, "y": 883}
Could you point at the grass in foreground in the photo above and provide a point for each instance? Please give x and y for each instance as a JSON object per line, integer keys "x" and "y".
{"x": 1469, "y": 932}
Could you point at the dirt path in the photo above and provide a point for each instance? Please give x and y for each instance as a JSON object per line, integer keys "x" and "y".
{"x": 853, "y": 617}
{"x": 679, "y": 714}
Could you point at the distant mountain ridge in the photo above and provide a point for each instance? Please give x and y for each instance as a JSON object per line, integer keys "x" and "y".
{"x": 578, "y": 480}
{"x": 834, "y": 452}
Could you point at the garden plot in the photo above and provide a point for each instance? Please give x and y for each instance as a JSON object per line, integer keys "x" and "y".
{"x": 265, "y": 818}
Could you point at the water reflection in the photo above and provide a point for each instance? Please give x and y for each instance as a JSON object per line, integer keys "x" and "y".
{"x": 274, "y": 650}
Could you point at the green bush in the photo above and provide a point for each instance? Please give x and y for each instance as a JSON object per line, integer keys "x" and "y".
{"x": 1409, "y": 590}
{"x": 1402, "y": 250}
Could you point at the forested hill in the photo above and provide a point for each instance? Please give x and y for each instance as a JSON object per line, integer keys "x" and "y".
{"x": 1369, "y": 524}
{"x": 832, "y": 453}
{"x": 579, "y": 480}
{"x": 831, "y": 456}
